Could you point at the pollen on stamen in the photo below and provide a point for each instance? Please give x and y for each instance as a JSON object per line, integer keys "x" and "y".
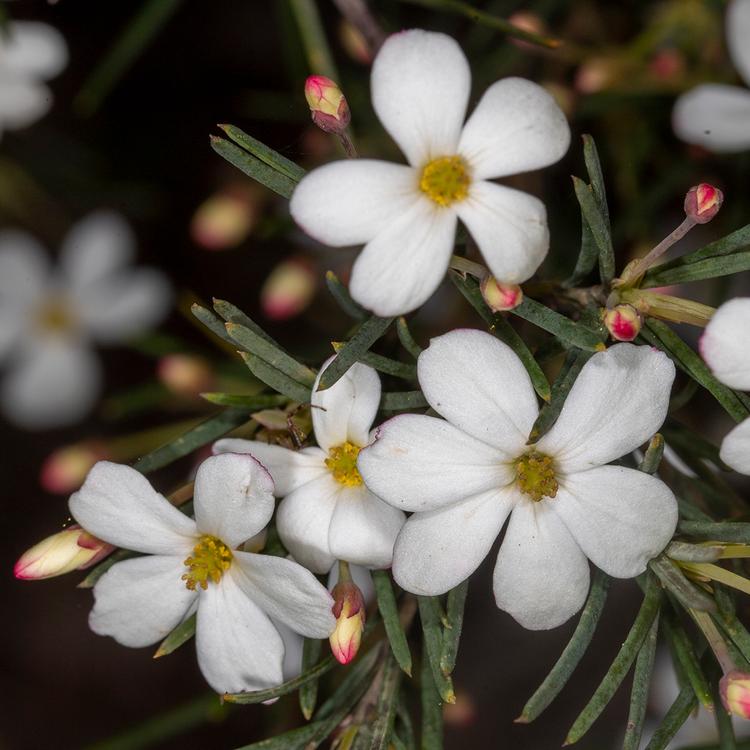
{"x": 535, "y": 474}
{"x": 210, "y": 559}
{"x": 445, "y": 180}
{"x": 342, "y": 463}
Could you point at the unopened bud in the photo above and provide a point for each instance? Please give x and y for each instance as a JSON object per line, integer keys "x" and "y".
{"x": 527, "y": 21}
{"x": 703, "y": 202}
{"x": 349, "y": 611}
{"x": 185, "y": 374}
{"x": 499, "y": 296}
{"x": 594, "y": 75}
{"x": 623, "y": 322}
{"x": 68, "y": 550}
{"x": 225, "y": 219}
{"x": 330, "y": 111}
{"x": 734, "y": 688}
{"x": 64, "y": 470}
{"x": 288, "y": 290}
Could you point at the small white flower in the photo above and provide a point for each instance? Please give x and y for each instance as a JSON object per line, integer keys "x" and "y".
{"x": 407, "y": 216}
{"x": 327, "y": 513}
{"x": 195, "y": 565}
{"x": 716, "y": 115}
{"x": 30, "y": 53}
{"x": 464, "y": 475}
{"x": 725, "y": 345}
{"x": 49, "y": 318}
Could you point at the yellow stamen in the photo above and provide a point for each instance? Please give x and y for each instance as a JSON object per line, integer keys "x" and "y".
{"x": 445, "y": 180}
{"x": 342, "y": 461}
{"x": 55, "y": 316}
{"x": 535, "y": 474}
{"x": 210, "y": 558}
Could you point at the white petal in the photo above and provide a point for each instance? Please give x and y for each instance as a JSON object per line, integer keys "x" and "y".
{"x": 735, "y": 448}
{"x": 404, "y": 264}
{"x": 303, "y": 520}
{"x": 286, "y": 592}
{"x": 621, "y": 518}
{"x": 715, "y": 116}
{"x": 738, "y": 32}
{"x": 52, "y": 383}
{"x": 350, "y": 202}
{"x": 364, "y": 528}
{"x": 420, "y": 87}
{"x": 479, "y": 385}
{"x": 510, "y": 228}
{"x": 542, "y": 576}
{"x": 345, "y": 411}
{"x": 516, "y": 127}
{"x": 238, "y": 647}
{"x": 24, "y": 269}
{"x": 289, "y": 469}
{"x": 437, "y": 550}
{"x": 617, "y": 403}
{"x": 119, "y": 505}
{"x": 233, "y": 497}
{"x": 34, "y": 49}
{"x": 725, "y": 344}
{"x": 22, "y": 101}
{"x": 421, "y": 463}
{"x": 139, "y": 601}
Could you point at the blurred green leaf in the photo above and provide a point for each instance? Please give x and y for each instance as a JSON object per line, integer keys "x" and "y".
{"x": 390, "y": 615}
{"x": 99, "y": 570}
{"x": 639, "y": 693}
{"x": 401, "y": 400}
{"x": 385, "y": 710}
{"x": 706, "y": 269}
{"x": 454, "y": 616}
{"x": 432, "y": 707}
{"x": 249, "y": 402}
{"x": 341, "y": 294}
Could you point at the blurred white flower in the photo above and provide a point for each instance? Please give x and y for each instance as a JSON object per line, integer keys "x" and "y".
{"x": 464, "y": 475}
{"x": 407, "y": 215}
{"x": 327, "y": 513}
{"x": 716, "y": 115}
{"x": 194, "y": 565}
{"x": 49, "y": 318}
{"x": 30, "y": 53}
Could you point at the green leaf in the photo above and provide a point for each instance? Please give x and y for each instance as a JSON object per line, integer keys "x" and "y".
{"x": 587, "y": 256}
{"x": 99, "y": 570}
{"x": 357, "y": 676}
{"x": 253, "y": 167}
{"x": 401, "y": 400}
{"x": 276, "y": 379}
{"x": 232, "y": 314}
{"x": 406, "y": 339}
{"x": 249, "y": 402}
{"x": 389, "y": 613}
{"x": 573, "y": 653}
{"x": 654, "y": 453}
{"x": 389, "y": 366}
{"x": 308, "y": 693}
{"x": 454, "y": 616}
{"x": 599, "y": 226}
{"x": 432, "y": 707}
{"x": 369, "y": 332}
{"x": 310, "y": 25}
{"x": 265, "y": 153}
{"x": 716, "y": 531}
{"x": 211, "y": 321}
{"x": 180, "y": 635}
{"x": 429, "y": 614}
{"x": 689, "y": 595}
{"x": 386, "y": 706}
{"x": 596, "y": 177}
{"x": 729, "y": 622}
{"x": 341, "y": 294}
{"x": 710, "y": 268}
{"x": 675, "y": 718}
{"x": 685, "y": 653}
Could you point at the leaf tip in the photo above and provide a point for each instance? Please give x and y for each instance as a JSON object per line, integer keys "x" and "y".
{"x": 522, "y": 719}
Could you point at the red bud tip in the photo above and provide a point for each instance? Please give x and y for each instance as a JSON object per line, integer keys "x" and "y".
{"x": 623, "y": 322}
{"x": 500, "y": 296}
{"x": 185, "y": 374}
{"x": 703, "y": 202}
{"x": 328, "y": 105}
{"x": 734, "y": 688}
{"x": 349, "y": 611}
{"x": 289, "y": 289}
{"x": 64, "y": 470}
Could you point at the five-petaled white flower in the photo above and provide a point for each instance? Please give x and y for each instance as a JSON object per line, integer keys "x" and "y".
{"x": 48, "y": 318}
{"x": 725, "y": 345}
{"x": 30, "y": 53}
{"x": 407, "y": 216}
{"x": 195, "y": 565}
{"x": 464, "y": 475}
{"x": 327, "y": 513}
{"x": 717, "y": 115}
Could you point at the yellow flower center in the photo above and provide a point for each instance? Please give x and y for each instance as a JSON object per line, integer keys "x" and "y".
{"x": 535, "y": 474}
{"x": 210, "y": 558}
{"x": 445, "y": 180}
{"x": 342, "y": 462}
{"x": 55, "y": 316}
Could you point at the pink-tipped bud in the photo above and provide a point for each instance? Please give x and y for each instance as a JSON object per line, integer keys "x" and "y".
{"x": 623, "y": 322}
{"x": 288, "y": 290}
{"x": 349, "y": 611}
{"x": 330, "y": 111}
{"x": 185, "y": 374}
{"x": 500, "y": 296}
{"x": 703, "y": 202}
{"x": 734, "y": 688}
{"x": 64, "y": 470}
{"x": 226, "y": 218}
{"x": 68, "y": 550}
{"x": 594, "y": 75}
{"x": 667, "y": 64}
{"x": 527, "y": 21}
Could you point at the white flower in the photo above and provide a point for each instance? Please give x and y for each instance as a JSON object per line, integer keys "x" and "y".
{"x": 195, "y": 565}
{"x": 716, "y": 115}
{"x": 407, "y": 216}
{"x": 725, "y": 345}
{"x": 464, "y": 475}
{"x": 327, "y": 513}
{"x": 49, "y": 318}
{"x": 30, "y": 53}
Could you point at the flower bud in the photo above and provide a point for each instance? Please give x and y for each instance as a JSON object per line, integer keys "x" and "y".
{"x": 734, "y": 688}
{"x": 70, "y": 549}
{"x": 349, "y": 611}
{"x": 527, "y": 21}
{"x": 288, "y": 290}
{"x": 225, "y": 219}
{"x": 185, "y": 374}
{"x": 703, "y": 202}
{"x": 499, "y": 296}
{"x": 330, "y": 111}
{"x": 623, "y": 322}
{"x": 64, "y": 470}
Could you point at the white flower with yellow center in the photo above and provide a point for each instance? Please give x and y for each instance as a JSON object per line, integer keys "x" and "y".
{"x": 195, "y": 565}
{"x": 406, "y": 215}
{"x": 463, "y": 475}
{"x": 327, "y": 513}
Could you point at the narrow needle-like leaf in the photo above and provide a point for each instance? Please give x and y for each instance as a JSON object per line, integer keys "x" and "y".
{"x": 389, "y": 613}
{"x": 454, "y": 615}
{"x": 429, "y": 613}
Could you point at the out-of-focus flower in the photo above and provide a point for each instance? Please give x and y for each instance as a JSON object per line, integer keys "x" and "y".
{"x": 64, "y": 470}
{"x": 527, "y": 21}
{"x": 30, "y": 53}
{"x": 716, "y": 115}
{"x": 350, "y": 614}
{"x": 289, "y": 289}
{"x": 186, "y": 374}
{"x": 328, "y": 105}
{"x": 465, "y": 475}
{"x": 48, "y": 318}
{"x": 196, "y": 564}
{"x": 703, "y": 202}
{"x": 407, "y": 215}
{"x": 667, "y": 64}
{"x": 226, "y": 218}
{"x": 327, "y": 513}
